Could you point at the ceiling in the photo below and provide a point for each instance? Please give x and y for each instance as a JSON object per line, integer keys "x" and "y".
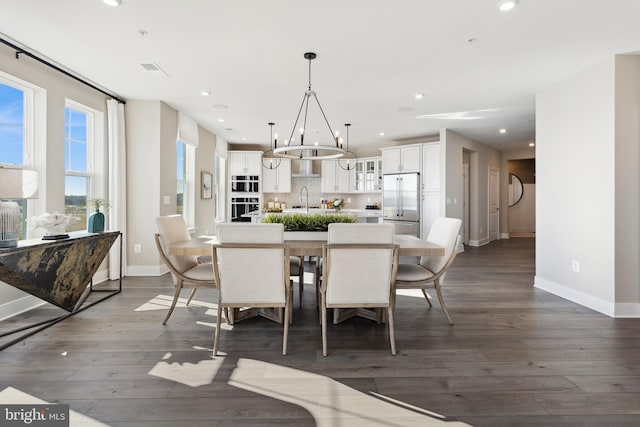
{"x": 478, "y": 68}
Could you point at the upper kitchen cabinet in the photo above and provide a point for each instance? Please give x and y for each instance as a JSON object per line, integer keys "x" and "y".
{"x": 334, "y": 179}
{"x": 245, "y": 162}
{"x": 277, "y": 180}
{"x": 401, "y": 159}
{"x": 368, "y": 175}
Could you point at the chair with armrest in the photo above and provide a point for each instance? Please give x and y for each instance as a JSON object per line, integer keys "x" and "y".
{"x": 185, "y": 270}
{"x": 251, "y": 265}
{"x": 359, "y": 268}
{"x": 430, "y": 272}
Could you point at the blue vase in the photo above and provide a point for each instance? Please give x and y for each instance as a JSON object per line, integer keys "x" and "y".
{"x": 95, "y": 223}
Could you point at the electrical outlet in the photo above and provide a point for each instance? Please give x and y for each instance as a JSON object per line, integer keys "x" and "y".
{"x": 575, "y": 266}
{"x": 137, "y": 248}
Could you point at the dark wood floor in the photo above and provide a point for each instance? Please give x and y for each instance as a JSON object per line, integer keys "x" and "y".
{"x": 516, "y": 356}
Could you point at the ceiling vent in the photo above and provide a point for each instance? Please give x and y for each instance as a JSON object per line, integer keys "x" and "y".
{"x": 153, "y": 68}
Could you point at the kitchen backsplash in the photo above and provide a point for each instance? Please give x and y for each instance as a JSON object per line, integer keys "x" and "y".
{"x": 358, "y": 201}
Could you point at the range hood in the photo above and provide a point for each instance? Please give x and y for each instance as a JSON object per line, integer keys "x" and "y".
{"x": 305, "y": 170}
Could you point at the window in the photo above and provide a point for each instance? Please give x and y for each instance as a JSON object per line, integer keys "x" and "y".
{"x": 219, "y": 184}
{"x": 181, "y": 168}
{"x": 12, "y": 125}
{"x": 78, "y": 151}
{"x": 16, "y": 129}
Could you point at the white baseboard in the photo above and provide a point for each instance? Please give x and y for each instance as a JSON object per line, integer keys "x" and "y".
{"x": 19, "y": 305}
{"x": 504, "y": 235}
{"x": 608, "y": 308}
{"x": 481, "y": 242}
{"x": 630, "y": 310}
{"x": 522, "y": 229}
{"x": 147, "y": 270}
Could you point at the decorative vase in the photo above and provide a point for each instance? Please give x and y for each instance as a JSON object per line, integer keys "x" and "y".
{"x": 95, "y": 223}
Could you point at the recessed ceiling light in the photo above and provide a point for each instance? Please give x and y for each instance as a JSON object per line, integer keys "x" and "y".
{"x": 418, "y": 95}
{"x": 220, "y": 106}
{"x": 381, "y": 134}
{"x": 205, "y": 93}
{"x": 503, "y": 131}
{"x": 114, "y": 3}
{"x": 532, "y": 144}
{"x": 506, "y": 5}
{"x": 244, "y": 139}
{"x": 221, "y": 120}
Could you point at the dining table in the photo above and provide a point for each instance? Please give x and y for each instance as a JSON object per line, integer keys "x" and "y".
{"x": 408, "y": 246}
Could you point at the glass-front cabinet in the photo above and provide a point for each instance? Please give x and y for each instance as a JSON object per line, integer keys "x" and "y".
{"x": 368, "y": 175}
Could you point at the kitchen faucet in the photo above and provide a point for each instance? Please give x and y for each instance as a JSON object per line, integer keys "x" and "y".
{"x": 306, "y": 203}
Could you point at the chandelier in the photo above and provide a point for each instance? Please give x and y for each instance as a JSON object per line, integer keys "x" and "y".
{"x": 313, "y": 150}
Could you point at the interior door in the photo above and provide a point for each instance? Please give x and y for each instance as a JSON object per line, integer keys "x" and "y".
{"x": 494, "y": 203}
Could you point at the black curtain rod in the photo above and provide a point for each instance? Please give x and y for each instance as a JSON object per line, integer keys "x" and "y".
{"x": 21, "y": 51}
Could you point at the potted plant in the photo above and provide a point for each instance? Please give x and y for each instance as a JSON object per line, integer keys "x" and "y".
{"x": 95, "y": 222}
{"x": 307, "y": 227}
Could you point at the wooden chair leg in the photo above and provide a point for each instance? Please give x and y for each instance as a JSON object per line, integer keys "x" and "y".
{"x": 323, "y": 317}
{"x": 216, "y": 338}
{"x": 392, "y": 336}
{"x": 444, "y": 307}
{"x": 427, "y": 297}
{"x": 193, "y": 292}
{"x": 173, "y": 304}
{"x": 287, "y": 315}
{"x": 301, "y": 280}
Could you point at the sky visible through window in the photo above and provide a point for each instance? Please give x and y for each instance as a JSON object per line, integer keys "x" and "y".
{"x": 75, "y": 158}
{"x": 11, "y": 125}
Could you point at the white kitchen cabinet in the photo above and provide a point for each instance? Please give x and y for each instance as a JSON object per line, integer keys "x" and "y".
{"x": 402, "y": 159}
{"x": 334, "y": 179}
{"x": 245, "y": 162}
{"x": 432, "y": 191}
{"x": 367, "y": 176}
{"x": 277, "y": 180}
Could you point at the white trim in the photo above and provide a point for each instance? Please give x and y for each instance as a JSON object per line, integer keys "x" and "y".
{"x": 576, "y": 296}
{"x": 503, "y": 236}
{"x": 629, "y": 310}
{"x": 480, "y": 242}
{"x": 522, "y": 229}
{"x": 20, "y": 305}
{"x": 147, "y": 270}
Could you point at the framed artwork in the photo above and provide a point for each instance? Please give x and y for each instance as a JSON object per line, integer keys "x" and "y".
{"x": 206, "y": 187}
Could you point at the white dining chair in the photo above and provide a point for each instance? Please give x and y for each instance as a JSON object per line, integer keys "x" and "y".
{"x": 429, "y": 273}
{"x": 185, "y": 270}
{"x": 251, "y": 266}
{"x": 359, "y": 269}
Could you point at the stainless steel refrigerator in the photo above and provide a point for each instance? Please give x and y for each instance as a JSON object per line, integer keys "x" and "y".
{"x": 401, "y": 202}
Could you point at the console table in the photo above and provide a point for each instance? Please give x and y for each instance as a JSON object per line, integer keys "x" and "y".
{"x": 58, "y": 271}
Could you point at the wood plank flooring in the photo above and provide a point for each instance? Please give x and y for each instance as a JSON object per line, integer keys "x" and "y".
{"x": 516, "y": 356}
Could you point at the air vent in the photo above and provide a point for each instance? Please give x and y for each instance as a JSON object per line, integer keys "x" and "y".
{"x": 153, "y": 68}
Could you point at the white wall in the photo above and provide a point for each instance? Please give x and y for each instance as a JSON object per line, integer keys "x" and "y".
{"x": 522, "y": 216}
{"x": 521, "y": 153}
{"x": 481, "y": 157}
{"x": 587, "y": 187}
{"x": 627, "y": 183}
{"x": 151, "y": 170}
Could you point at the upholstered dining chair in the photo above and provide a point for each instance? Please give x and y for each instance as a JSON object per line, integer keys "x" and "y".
{"x": 185, "y": 270}
{"x": 430, "y": 272}
{"x": 359, "y": 269}
{"x": 251, "y": 265}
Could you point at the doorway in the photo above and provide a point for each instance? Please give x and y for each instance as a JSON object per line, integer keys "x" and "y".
{"x": 494, "y": 203}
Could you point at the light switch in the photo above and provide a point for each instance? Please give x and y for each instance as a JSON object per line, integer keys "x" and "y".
{"x": 166, "y": 200}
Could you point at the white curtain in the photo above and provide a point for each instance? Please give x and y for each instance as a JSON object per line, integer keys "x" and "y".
{"x": 188, "y": 130}
{"x": 117, "y": 185}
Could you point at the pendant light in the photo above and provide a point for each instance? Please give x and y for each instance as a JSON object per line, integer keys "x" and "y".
{"x": 348, "y": 161}
{"x": 269, "y": 160}
{"x": 315, "y": 150}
